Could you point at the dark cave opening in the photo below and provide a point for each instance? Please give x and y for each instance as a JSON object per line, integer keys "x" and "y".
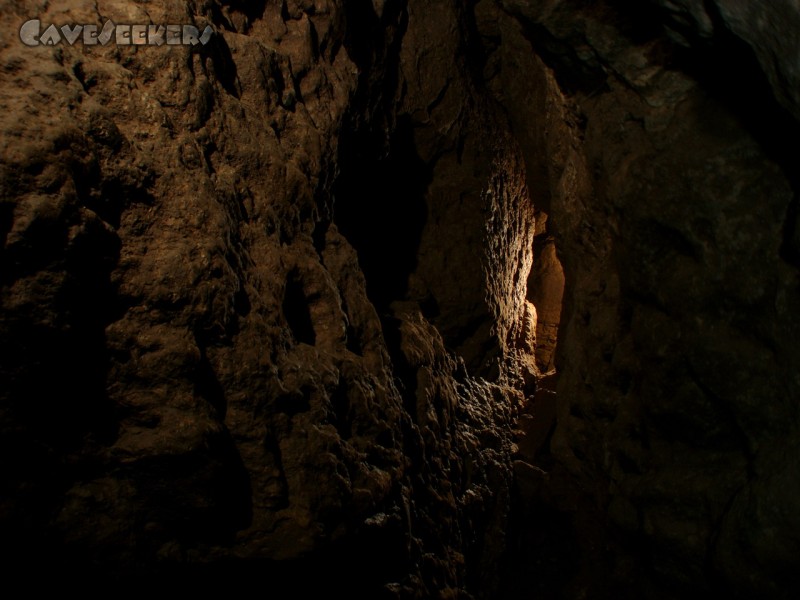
{"x": 379, "y": 206}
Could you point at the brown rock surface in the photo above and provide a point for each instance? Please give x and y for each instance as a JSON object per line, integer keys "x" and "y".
{"x": 270, "y": 307}
{"x": 669, "y": 178}
{"x": 194, "y": 372}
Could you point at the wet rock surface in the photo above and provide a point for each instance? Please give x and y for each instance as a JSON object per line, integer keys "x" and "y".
{"x": 279, "y": 307}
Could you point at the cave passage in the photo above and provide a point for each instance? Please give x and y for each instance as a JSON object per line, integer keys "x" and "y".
{"x": 380, "y": 209}
{"x": 545, "y": 292}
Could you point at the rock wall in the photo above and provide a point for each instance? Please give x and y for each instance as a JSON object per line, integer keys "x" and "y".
{"x": 271, "y": 306}
{"x": 238, "y": 283}
{"x": 661, "y": 139}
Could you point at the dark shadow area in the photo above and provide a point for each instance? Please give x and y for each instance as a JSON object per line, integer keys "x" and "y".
{"x": 542, "y": 557}
{"x": 208, "y": 501}
{"x": 357, "y": 567}
{"x": 340, "y": 402}
{"x": 572, "y": 72}
{"x": 206, "y": 383}
{"x": 379, "y": 195}
{"x": 251, "y": 10}
{"x": 561, "y": 546}
{"x": 549, "y": 536}
{"x": 296, "y": 311}
{"x": 378, "y": 198}
{"x": 725, "y": 67}
{"x": 728, "y": 70}
{"x": 54, "y": 408}
{"x": 197, "y": 498}
{"x": 379, "y": 206}
{"x": 380, "y": 209}
{"x": 221, "y": 58}
{"x": 363, "y": 37}
{"x": 54, "y": 357}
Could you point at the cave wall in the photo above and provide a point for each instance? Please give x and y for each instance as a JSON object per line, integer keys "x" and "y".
{"x": 661, "y": 139}
{"x": 212, "y": 363}
{"x": 269, "y": 305}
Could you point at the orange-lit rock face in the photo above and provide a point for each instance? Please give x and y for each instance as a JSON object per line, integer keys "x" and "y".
{"x": 270, "y": 305}
{"x": 546, "y": 291}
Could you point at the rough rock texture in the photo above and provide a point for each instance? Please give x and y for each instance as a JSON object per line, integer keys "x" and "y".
{"x": 668, "y": 170}
{"x": 197, "y": 377}
{"x": 270, "y": 307}
{"x": 768, "y": 29}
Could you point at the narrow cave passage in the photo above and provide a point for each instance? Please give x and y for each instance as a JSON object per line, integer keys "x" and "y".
{"x": 542, "y": 554}
{"x": 545, "y": 292}
{"x": 379, "y": 207}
